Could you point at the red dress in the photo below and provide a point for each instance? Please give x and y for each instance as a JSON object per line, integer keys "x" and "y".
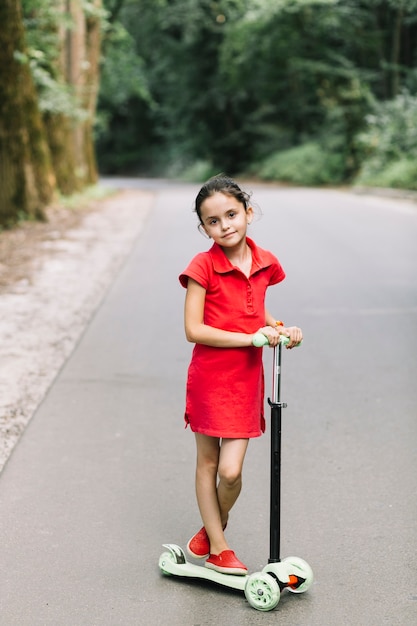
{"x": 225, "y": 386}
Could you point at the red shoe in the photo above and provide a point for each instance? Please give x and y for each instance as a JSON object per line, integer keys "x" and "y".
{"x": 227, "y": 563}
{"x": 199, "y": 545}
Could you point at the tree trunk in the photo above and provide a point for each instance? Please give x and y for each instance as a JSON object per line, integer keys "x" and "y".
{"x": 92, "y": 82}
{"x": 59, "y": 132}
{"x": 58, "y": 125}
{"x": 71, "y": 138}
{"x": 26, "y": 177}
{"x": 82, "y": 55}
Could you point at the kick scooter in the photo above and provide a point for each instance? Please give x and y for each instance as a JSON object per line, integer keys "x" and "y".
{"x": 262, "y": 589}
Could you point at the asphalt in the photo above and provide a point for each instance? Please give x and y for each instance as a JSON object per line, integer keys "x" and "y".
{"x": 104, "y": 473}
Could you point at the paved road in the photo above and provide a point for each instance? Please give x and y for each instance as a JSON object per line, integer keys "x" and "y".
{"x": 104, "y": 473}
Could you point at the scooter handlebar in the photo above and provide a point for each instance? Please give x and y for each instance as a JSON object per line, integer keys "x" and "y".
{"x": 259, "y": 340}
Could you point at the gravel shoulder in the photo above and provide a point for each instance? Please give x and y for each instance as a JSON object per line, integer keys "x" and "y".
{"x": 53, "y": 276}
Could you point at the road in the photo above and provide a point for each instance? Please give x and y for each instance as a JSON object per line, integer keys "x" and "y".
{"x": 104, "y": 473}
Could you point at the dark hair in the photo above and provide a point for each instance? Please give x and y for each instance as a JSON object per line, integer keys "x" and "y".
{"x": 220, "y": 184}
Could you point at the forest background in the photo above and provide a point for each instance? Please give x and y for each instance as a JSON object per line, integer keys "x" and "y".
{"x": 311, "y": 92}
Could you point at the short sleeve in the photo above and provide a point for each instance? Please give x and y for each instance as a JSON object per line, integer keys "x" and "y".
{"x": 277, "y": 273}
{"x": 269, "y": 261}
{"x": 199, "y": 269}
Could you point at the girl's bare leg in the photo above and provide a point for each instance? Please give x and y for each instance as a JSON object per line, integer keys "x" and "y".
{"x": 232, "y": 455}
{"x": 215, "y": 501}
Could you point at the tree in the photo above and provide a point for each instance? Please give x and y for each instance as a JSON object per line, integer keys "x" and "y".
{"x": 65, "y": 38}
{"x": 26, "y": 177}
{"x": 231, "y": 82}
{"x": 81, "y": 59}
{"x": 49, "y": 76}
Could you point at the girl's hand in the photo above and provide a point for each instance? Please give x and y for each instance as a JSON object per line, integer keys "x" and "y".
{"x": 294, "y": 333}
{"x": 272, "y": 334}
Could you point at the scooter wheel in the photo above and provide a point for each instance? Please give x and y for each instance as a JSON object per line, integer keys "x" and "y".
{"x": 302, "y": 570}
{"x": 262, "y": 591}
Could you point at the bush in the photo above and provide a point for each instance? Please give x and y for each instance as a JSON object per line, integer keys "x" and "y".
{"x": 401, "y": 174}
{"x": 199, "y": 172}
{"x": 308, "y": 164}
{"x": 388, "y": 146}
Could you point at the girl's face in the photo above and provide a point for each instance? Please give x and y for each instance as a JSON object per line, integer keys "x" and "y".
{"x": 225, "y": 219}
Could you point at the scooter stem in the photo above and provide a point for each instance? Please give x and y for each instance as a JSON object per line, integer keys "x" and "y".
{"x": 275, "y": 487}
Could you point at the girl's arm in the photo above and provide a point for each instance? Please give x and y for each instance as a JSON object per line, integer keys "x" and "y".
{"x": 198, "y": 332}
{"x": 195, "y": 329}
{"x": 270, "y": 320}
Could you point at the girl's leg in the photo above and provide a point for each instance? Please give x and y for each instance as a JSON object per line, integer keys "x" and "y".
{"x": 215, "y": 501}
{"x": 208, "y": 455}
{"x": 232, "y": 455}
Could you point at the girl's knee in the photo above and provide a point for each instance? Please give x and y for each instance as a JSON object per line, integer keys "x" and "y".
{"x": 230, "y": 476}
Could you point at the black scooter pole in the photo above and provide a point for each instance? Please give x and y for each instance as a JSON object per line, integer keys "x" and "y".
{"x": 276, "y": 410}
{"x": 275, "y": 488}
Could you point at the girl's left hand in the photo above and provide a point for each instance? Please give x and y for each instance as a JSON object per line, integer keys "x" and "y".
{"x": 294, "y": 333}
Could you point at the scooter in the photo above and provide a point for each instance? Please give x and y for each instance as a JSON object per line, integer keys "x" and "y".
{"x": 262, "y": 589}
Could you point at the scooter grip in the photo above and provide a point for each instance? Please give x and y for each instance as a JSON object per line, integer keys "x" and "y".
{"x": 260, "y": 340}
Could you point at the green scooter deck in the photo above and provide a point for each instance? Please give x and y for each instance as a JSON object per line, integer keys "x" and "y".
{"x": 174, "y": 563}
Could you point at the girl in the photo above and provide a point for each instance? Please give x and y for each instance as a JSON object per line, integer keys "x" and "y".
{"x": 224, "y": 307}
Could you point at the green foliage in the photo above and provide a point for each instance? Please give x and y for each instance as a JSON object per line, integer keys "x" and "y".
{"x": 231, "y": 82}
{"x": 91, "y": 10}
{"x": 123, "y": 73}
{"x": 123, "y": 129}
{"x": 198, "y": 172}
{"x": 400, "y": 174}
{"x": 391, "y": 131}
{"x": 188, "y": 86}
{"x": 42, "y": 20}
{"x": 308, "y": 164}
{"x": 388, "y": 145}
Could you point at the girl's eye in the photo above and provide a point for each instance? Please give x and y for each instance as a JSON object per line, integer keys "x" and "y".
{"x": 212, "y": 222}
{"x": 232, "y": 213}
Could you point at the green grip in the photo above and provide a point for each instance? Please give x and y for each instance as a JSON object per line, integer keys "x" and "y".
{"x": 260, "y": 340}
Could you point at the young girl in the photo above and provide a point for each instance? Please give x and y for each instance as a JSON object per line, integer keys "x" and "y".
{"x": 224, "y": 308}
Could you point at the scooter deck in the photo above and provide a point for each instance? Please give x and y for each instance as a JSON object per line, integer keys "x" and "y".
{"x": 174, "y": 563}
